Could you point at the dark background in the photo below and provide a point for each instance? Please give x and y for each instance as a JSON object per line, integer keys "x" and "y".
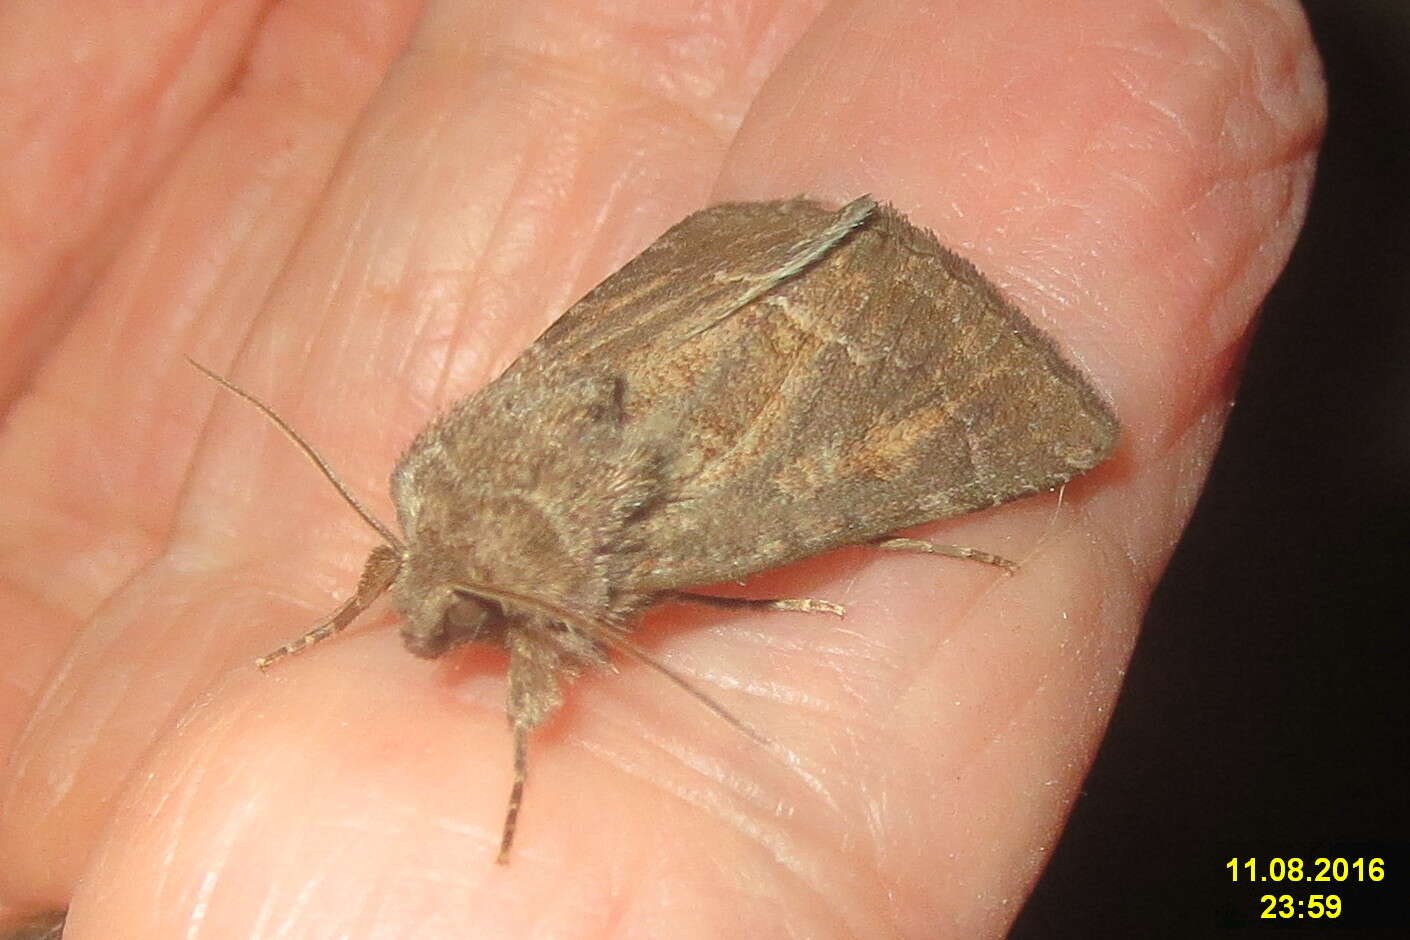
{"x": 1265, "y": 711}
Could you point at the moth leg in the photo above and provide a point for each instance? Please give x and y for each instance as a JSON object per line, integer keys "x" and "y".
{"x": 345, "y": 614}
{"x": 377, "y": 574}
{"x": 535, "y": 663}
{"x": 951, "y": 551}
{"x": 810, "y": 605}
{"x": 516, "y": 792}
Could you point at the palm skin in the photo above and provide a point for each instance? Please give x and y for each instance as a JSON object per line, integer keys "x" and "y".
{"x": 363, "y": 214}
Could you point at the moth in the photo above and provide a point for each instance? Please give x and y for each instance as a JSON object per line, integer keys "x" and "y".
{"x": 766, "y": 382}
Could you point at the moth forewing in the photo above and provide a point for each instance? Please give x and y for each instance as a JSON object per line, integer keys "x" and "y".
{"x": 882, "y": 385}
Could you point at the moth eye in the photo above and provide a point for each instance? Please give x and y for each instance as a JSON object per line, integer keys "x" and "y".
{"x": 461, "y": 618}
{"x": 466, "y": 616}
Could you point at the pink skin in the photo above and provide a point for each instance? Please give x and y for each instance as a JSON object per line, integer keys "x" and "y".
{"x": 363, "y": 216}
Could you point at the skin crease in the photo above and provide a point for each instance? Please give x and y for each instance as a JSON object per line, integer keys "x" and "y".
{"x": 362, "y": 214}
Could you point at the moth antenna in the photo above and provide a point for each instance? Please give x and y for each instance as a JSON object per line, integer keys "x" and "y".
{"x": 311, "y": 454}
{"x": 619, "y": 642}
{"x": 786, "y": 759}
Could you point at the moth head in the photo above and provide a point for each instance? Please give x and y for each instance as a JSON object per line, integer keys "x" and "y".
{"x": 442, "y": 618}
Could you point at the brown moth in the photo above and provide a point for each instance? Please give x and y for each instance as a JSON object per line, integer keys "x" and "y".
{"x": 766, "y": 382}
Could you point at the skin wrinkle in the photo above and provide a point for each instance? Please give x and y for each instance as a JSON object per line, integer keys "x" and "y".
{"x": 774, "y": 845}
{"x": 715, "y": 772}
{"x": 327, "y": 336}
{"x": 191, "y": 783}
{"x": 38, "y": 688}
{"x": 775, "y": 693}
{"x": 844, "y": 662}
{"x": 262, "y": 923}
{"x": 367, "y": 903}
{"x": 769, "y": 691}
{"x": 261, "y": 71}
{"x": 479, "y": 275}
{"x": 680, "y": 76}
{"x": 116, "y": 692}
{"x": 849, "y": 688}
{"x": 67, "y": 516}
{"x": 705, "y": 799}
{"x": 138, "y": 119}
{"x": 200, "y": 906}
{"x": 21, "y": 767}
{"x": 296, "y": 919}
{"x": 811, "y": 776}
{"x": 1124, "y": 549}
{"x": 734, "y": 788}
{"x": 557, "y": 160}
{"x": 475, "y": 274}
{"x": 150, "y": 104}
{"x": 310, "y": 883}
{"x": 822, "y": 893}
{"x": 305, "y": 890}
{"x": 561, "y": 171}
{"x": 176, "y": 803}
{"x": 907, "y": 677}
{"x": 789, "y": 643}
{"x": 577, "y": 88}
{"x": 723, "y": 784}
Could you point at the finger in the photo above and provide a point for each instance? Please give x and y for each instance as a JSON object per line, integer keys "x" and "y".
{"x": 96, "y": 451}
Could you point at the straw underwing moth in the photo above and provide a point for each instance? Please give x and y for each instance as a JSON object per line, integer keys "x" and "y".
{"x": 766, "y": 382}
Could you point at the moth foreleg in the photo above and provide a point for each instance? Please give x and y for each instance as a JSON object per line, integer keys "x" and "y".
{"x": 377, "y": 574}
{"x": 893, "y": 544}
{"x": 536, "y": 660}
{"x": 516, "y": 791}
